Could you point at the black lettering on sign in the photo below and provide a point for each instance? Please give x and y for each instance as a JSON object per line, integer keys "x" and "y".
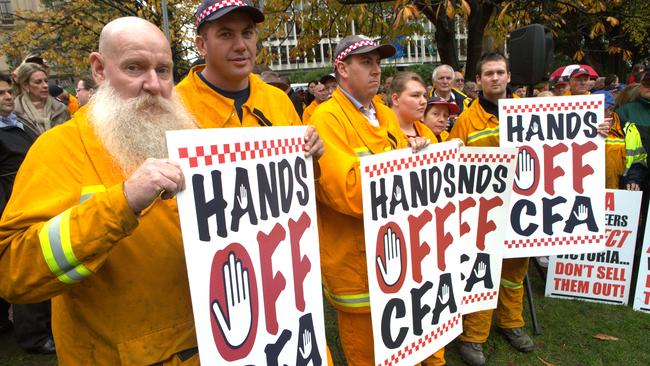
{"x": 393, "y": 306}
{"x": 306, "y": 333}
{"x": 481, "y": 272}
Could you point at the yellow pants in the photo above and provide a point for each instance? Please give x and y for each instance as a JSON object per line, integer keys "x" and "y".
{"x": 355, "y": 333}
{"x": 476, "y": 326}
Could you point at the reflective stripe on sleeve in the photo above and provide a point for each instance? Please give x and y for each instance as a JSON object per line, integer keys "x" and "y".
{"x": 511, "y": 285}
{"x": 362, "y": 151}
{"x": 57, "y": 250}
{"x": 614, "y": 141}
{"x": 88, "y": 191}
{"x": 478, "y": 135}
{"x": 349, "y": 301}
{"x": 637, "y": 151}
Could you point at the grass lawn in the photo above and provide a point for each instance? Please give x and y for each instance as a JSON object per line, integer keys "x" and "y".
{"x": 568, "y": 328}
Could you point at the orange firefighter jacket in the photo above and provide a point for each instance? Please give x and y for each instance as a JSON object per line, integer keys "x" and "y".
{"x": 73, "y": 104}
{"x": 347, "y": 135}
{"x": 118, "y": 282}
{"x": 266, "y": 105}
{"x": 307, "y": 112}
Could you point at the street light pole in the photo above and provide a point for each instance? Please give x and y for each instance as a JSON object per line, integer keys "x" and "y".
{"x": 165, "y": 20}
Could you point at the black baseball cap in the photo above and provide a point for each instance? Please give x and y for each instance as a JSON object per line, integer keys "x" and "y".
{"x": 210, "y": 10}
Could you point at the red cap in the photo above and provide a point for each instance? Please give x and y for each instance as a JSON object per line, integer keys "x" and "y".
{"x": 579, "y": 72}
{"x": 435, "y": 100}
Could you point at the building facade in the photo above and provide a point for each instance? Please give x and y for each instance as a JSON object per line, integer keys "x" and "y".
{"x": 417, "y": 49}
{"x": 8, "y": 21}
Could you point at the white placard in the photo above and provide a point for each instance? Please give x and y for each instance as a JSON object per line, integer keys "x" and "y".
{"x": 248, "y": 217}
{"x": 558, "y": 198}
{"x": 411, "y": 228}
{"x": 642, "y": 291}
{"x": 484, "y": 186}
{"x": 605, "y": 276}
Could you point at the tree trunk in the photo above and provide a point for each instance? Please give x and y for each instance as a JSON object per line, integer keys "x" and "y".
{"x": 478, "y": 20}
{"x": 446, "y": 39}
{"x": 445, "y": 35}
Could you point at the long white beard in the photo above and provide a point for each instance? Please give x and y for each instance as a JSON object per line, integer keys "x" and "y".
{"x": 133, "y": 130}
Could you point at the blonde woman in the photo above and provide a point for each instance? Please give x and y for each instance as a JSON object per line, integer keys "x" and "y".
{"x": 33, "y": 103}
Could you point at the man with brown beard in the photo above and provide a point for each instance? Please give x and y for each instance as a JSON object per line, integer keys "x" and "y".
{"x": 92, "y": 223}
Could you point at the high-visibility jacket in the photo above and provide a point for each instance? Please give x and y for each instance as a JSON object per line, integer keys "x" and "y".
{"x": 347, "y": 135}
{"x": 266, "y": 105}
{"x": 118, "y": 282}
{"x": 307, "y": 112}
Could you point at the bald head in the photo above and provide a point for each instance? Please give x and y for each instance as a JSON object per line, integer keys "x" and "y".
{"x": 126, "y": 27}
{"x": 134, "y": 57}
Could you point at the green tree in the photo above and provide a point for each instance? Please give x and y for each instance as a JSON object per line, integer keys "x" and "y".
{"x": 65, "y": 32}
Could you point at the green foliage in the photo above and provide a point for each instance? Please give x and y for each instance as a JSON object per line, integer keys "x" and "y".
{"x": 65, "y": 32}
{"x": 305, "y": 76}
{"x": 424, "y": 70}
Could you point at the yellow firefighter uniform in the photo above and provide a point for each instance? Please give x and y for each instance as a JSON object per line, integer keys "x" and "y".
{"x": 348, "y": 135}
{"x": 477, "y": 127}
{"x": 444, "y": 136}
{"x": 266, "y": 105}
{"x": 307, "y": 112}
{"x": 117, "y": 281}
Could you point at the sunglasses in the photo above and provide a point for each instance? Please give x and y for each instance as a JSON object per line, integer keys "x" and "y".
{"x": 645, "y": 83}
{"x": 36, "y": 60}
{"x": 460, "y": 80}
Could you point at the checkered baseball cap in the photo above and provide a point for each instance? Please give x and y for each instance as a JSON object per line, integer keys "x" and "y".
{"x": 212, "y": 10}
{"x": 358, "y": 44}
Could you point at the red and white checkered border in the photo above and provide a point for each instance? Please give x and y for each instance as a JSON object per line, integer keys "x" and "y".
{"x": 551, "y": 107}
{"x": 239, "y": 151}
{"x": 554, "y": 242}
{"x": 410, "y": 162}
{"x": 486, "y": 158}
{"x": 422, "y": 342}
{"x": 482, "y": 296}
{"x": 214, "y": 7}
{"x": 353, "y": 47}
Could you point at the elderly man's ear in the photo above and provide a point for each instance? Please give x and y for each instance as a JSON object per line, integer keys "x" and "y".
{"x": 97, "y": 66}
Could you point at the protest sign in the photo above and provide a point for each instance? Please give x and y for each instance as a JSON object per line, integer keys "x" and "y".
{"x": 411, "y": 227}
{"x": 604, "y": 276}
{"x": 642, "y": 291}
{"x": 558, "y": 198}
{"x": 248, "y": 218}
{"x": 484, "y": 185}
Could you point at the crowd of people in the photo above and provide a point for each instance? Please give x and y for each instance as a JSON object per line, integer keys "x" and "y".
{"x": 90, "y": 225}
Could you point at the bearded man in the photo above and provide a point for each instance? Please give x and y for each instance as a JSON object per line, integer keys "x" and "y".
{"x": 92, "y": 223}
